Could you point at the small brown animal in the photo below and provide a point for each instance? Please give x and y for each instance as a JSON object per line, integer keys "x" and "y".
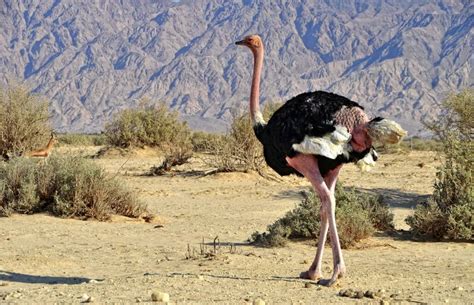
{"x": 45, "y": 152}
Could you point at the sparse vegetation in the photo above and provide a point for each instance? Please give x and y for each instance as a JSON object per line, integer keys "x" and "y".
{"x": 24, "y": 122}
{"x": 78, "y": 139}
{"x": 410, "y": 144}
{"x": 173, "y": 156}
{"x": 449, "y": 212}
{"x": 239, "y": 149}
{"x": 358, "y": 215}
{"x": 65, "y": 187}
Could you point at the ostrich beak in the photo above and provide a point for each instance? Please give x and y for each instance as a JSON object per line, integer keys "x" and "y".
{"x": 240, "y": 43}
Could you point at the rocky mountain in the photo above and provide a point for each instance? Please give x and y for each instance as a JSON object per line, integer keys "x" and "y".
{"x": 92, "y": 58}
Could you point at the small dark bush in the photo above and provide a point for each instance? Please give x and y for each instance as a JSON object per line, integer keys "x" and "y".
{"x": 449, "y": 212}
{"x": 63, "y": 186}
{"x": 24, "y": 122}
{"x": 358, "y": 215}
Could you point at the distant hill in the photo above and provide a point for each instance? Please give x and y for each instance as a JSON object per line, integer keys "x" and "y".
{"x": 399, "y": 59}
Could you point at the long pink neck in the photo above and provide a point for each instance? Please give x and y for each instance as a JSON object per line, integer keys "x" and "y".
{"x": 255, "y": 89}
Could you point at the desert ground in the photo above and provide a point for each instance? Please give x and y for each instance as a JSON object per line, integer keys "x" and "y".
{"x": 196, "y": 249}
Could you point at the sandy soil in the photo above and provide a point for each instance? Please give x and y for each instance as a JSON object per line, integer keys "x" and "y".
{"x": 47, "y": 260}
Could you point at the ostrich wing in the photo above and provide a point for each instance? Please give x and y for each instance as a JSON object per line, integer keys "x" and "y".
{"x": 330, "y": 145}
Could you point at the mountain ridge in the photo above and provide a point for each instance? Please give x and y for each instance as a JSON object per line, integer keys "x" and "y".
{"x": 93, "y": 58}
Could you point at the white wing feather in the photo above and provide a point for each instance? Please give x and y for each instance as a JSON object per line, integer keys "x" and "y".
{"x": 330, "y": 145}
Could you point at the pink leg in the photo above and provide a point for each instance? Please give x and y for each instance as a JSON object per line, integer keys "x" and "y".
{"x": 339, "y": 265}
{"x": 308, "y": 166}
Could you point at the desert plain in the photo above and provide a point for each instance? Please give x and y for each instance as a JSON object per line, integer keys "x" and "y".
{"x": 196, "y": 248}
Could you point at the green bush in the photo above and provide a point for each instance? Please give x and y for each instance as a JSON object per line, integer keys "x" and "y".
{"x": 63, "y": 186}
{"x": 147, "y": 126}
{"x": 24, "y": 122}
{"x": 154, "y": 127}
{"x": 357, "y": 215}
{"x": 449, "y": 212}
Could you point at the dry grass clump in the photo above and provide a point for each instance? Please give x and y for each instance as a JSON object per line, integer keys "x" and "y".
{"x": 65, "y": 187}
{"x": 358, "y": 216}
{"x": 449, "y": 212}
{"x": 24, "y": 122}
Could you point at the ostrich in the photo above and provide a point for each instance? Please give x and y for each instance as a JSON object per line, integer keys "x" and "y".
{"x": 313, "y": 135}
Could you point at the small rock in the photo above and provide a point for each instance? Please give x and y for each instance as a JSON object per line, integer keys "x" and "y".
{"x": 384, "y": 302}
{"x": 307, "y": 285}
{"x": 3, "y": 284}
{"x": 16, "y": 295}
{"x": 138, "y": 300}
{"x": 258, "y": 301}
{"x": 160, "y": 297}
{"x": 200, "y": 277}
{"x": 347, "y": 293}
{"x": 369, "y": 294}
{"x": 93, "y": 281}
{"x": 359, "y": 294}
{"x": 394, "y": 295}
{"x": 458, "y": 288}
{"x": 350, "y": 293}
{"x": 86, "y": 298}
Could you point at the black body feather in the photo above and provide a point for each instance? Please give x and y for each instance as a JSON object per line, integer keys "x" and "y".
{"x": 310, "y": 114}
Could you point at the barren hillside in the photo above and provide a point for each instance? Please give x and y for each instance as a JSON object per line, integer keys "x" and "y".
{"x": 92, "y": 58}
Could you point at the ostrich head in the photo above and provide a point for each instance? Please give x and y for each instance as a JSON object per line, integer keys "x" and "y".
{"x": 385, "y": 131}
{"x": 253, "y": 42}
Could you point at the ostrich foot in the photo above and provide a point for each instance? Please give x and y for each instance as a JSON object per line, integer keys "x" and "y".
{"x": 339, "y": 271}
{"x": 310, "y": 275}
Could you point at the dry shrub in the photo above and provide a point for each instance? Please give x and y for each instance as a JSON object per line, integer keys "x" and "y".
{"x": 204, "y": 141}
{"x": 239, "y": 150}
{"x": 358, "y": 215}
{"x": 153, "y": 126}
{"x": 173, "y": 156}
{"x": 63, "y": 186}
{"x": 24, "y": 122}
{"x": 449, "y": 212}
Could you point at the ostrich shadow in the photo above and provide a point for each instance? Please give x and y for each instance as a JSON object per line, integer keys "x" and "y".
{"x": 398, "y": 199}
{"x": 393, "y": 197}
{"x": 8, "y": 276}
